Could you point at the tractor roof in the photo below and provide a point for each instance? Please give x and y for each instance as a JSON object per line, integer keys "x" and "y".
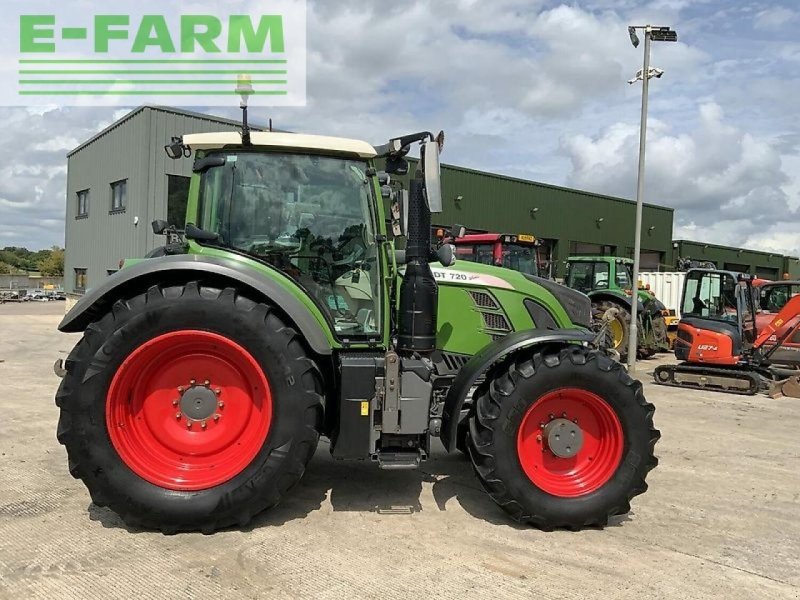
{"x": 619, "y": 259}
{"x": 293, "y": 141}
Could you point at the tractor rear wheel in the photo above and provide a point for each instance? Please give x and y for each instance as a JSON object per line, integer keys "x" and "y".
{"x": 562, "y": 438}
{"x": 189, "y": 408}
{"x": 618, "y": 330}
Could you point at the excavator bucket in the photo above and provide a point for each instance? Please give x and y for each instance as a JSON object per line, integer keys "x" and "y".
{"x": 786, "y": 387}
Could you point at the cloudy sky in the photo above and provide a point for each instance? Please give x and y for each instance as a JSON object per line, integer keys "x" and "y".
{"x": 531, "y": 88}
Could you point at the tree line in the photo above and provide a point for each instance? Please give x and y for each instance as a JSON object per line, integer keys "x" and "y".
{"x": 21, "y": 260}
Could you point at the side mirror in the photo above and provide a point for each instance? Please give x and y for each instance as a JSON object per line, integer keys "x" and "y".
{"x": 159, "y": 226}
{"x": 433, "y": 184}
{"x": 399, "y": 213}
{"x": 446, "y": 254}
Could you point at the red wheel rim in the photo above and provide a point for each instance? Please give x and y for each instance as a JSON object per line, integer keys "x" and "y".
{"x": 188, "y": 410}
{"x": 594, "y": 463}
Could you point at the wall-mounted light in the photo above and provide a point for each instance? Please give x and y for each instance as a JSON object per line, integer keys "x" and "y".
{"x": 705, "y": 247}
{"x": 457, "y": 200}
{"x": 600, "y": 220}
{"x": 651, "y": 228}
{"x": 674, "y": 244}
{"x": 534, "y": 210}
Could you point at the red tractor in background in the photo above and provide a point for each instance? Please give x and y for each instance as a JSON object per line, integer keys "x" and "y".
{"x": 770, "y": 297}
{"x": 519, "y": 252}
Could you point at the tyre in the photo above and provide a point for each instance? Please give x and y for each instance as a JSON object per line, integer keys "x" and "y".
{"x": 618, "y": 330}
{"x": 562, "y": 438}
{"x": 660, "y": 333}
{"x": 189, "y": 408}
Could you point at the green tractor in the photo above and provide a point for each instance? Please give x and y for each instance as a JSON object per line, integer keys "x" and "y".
{"x": 284, "y": 312}
{"x": 608, "y": 281}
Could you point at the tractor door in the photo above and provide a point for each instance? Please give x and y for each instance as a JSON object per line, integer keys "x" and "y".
{"x": 314, "y": 218}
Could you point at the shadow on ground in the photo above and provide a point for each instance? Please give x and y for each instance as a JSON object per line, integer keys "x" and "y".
{"x": 360, "y": 486}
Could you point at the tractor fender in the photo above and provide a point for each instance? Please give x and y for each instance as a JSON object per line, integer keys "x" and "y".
{"x": 150, "y": 272}
{"x": 616, "y": 298}
{"x": 497, "y": 351}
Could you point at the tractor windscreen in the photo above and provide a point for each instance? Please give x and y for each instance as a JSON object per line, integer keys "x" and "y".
{"x": 310, "y": 217}
{"x": 518, "y": 257}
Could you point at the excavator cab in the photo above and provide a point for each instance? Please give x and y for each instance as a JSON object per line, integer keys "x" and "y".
{"x": 717, "y": 317}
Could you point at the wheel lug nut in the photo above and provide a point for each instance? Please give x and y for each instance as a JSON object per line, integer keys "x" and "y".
{"x": 206, "y": 383}
{"x": 203, "y": 424}
{"x": 191, "y": 382}
{"x": 221, "y": 404}
{"x": 218, "y": 391}
{"x": 188, "y": 424}
{"x": 216, "y": 417}
{"x": 538, "y": 438}
{"x": 181, "y": 388}
{"x": 177, "y": 415}
{"x": 564, "y": 415}
{"x": 552, "y": 416}
{"x": 174, "y": 403}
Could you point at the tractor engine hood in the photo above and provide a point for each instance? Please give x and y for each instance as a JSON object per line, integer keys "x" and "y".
{"x": 577, "y": 305}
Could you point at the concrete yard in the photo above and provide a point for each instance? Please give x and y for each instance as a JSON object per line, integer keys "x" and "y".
{"x": 721, "y": 518}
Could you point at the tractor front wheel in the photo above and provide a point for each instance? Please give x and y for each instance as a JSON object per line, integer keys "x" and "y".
{"x": 189, "y": 408}
{"x": 618, "y": 330}
{"x": 563, "y": 438}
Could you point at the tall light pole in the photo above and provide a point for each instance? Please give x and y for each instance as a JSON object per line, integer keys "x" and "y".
{"x": 658, "y": 34}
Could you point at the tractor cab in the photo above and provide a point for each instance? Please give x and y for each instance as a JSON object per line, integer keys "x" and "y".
{"x": 518, "y": 252}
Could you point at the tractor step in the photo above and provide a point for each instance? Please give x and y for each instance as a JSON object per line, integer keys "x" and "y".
{"x": 400, "y": 461}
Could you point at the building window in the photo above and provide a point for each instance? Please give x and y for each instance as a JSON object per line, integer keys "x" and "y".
{"x": 119, "y": 195}
{"x": 83, "y": 204}
{"x": 177, "y": 198}
{"x": 80, "y": 280}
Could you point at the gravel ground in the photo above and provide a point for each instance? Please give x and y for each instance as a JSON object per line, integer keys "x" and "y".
{"x": 720, "y": 519}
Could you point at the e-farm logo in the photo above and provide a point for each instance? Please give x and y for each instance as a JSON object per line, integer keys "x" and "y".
{"x": 96, "y": 57}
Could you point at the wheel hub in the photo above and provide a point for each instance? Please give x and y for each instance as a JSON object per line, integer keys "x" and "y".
{"x": 564, "y": 438}
{"x": 198, "y": 403}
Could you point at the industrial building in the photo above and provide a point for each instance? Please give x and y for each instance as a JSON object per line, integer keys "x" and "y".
{"x": 120, "y": 180}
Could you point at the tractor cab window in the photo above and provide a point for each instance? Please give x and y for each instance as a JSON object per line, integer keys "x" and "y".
{"x": 479, "y": 253}
{"x": 711, "y": 295}
{"x": 624, "y": 276}
{"x": 310, "y": 217}
{"x": 586, "y": 276}
{"x": 521, "y": 258}
{"x": 772, "y": 298}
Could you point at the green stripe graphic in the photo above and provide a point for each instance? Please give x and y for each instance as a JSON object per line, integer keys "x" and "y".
{"x": 166, "y": 61}
{"x": 143, "y": 93}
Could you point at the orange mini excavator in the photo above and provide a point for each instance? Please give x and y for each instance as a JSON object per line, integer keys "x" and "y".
{"x": 721, "y": 344}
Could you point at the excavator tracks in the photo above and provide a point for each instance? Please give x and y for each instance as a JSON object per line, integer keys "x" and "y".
{"x": 746, "y": 383}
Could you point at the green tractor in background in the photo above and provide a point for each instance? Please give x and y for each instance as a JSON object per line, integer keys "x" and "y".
{"x": 284, "y": 312}
{"x": 608, "y": 281}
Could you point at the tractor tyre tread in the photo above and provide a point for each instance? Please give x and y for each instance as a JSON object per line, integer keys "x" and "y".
{"x": 499, "y": 408}
{"x": 277, "y": 467}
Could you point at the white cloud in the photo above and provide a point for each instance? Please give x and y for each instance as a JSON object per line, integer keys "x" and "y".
{"x": 729, "y": 186}
{"x": 774, "y": 18}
